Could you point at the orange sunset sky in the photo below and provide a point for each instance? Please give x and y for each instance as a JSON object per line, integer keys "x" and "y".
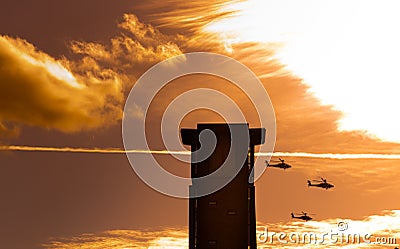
{"x": 66, "y": 68}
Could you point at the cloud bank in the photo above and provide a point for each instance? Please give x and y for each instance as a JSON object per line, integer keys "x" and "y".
{"x": 384, "y": 225}
{"x": 82, "y": 93}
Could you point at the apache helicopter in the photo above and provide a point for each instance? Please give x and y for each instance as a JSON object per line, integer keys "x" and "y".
{"x": 280, "y": 164}
{"x": 302, "y": 216}
{"x": 321, "y": 184}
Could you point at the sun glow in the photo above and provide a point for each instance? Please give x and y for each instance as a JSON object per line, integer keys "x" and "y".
{"x": 347, "y": 51}
{"x": 29, "y": 54}
{"x": 56, "y": 69}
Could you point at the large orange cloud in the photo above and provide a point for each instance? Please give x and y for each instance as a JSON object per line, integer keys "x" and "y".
{"x": 75, "y": 94}
{"x": 36, "y": 89}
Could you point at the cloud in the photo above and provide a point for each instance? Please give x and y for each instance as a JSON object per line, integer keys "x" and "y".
{"x": 82, "y": 93}
{"x": 137, "y": 43}
{"x": 191, "y": 19}
{"x": 172, "y": 238}
{"x": 375, "y": 231}
{"x": 6, "y": 131}
{"x": 261, "y": 154}
{"x": 191, "y": 16}
{"x": 304, "y": 123}
{"x": 383, "y": 225}
{"x": 325, "y": 43}
{"x": 38, "y": 90}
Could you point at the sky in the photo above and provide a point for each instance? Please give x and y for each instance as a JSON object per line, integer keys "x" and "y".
{"x": 67, "y": 67}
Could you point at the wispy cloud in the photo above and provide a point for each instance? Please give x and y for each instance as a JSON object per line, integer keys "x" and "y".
{"x": 88, "y": 150}
{"x": 334, "y": 155}
{"x": 315, "y": 37}
{"x": 166, "y": 152}
{"x": 169, "y": 238}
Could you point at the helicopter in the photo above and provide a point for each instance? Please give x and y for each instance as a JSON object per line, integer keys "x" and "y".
{"x": 302, "y": 216}
{"x": 280, "y": 164}
{"x": 321, "y": 184}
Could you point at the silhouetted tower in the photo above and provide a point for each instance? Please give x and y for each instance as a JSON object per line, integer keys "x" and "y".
{"x": 225, "y": 219}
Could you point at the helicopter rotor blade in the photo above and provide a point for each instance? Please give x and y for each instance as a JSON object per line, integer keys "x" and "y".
{"x": 316, "y": 180}
{"x": 277, "y": 160}
{"x": 303, "y": 213}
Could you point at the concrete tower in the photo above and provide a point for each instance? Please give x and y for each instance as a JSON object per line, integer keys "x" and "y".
{"x": 225, "y": 219}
